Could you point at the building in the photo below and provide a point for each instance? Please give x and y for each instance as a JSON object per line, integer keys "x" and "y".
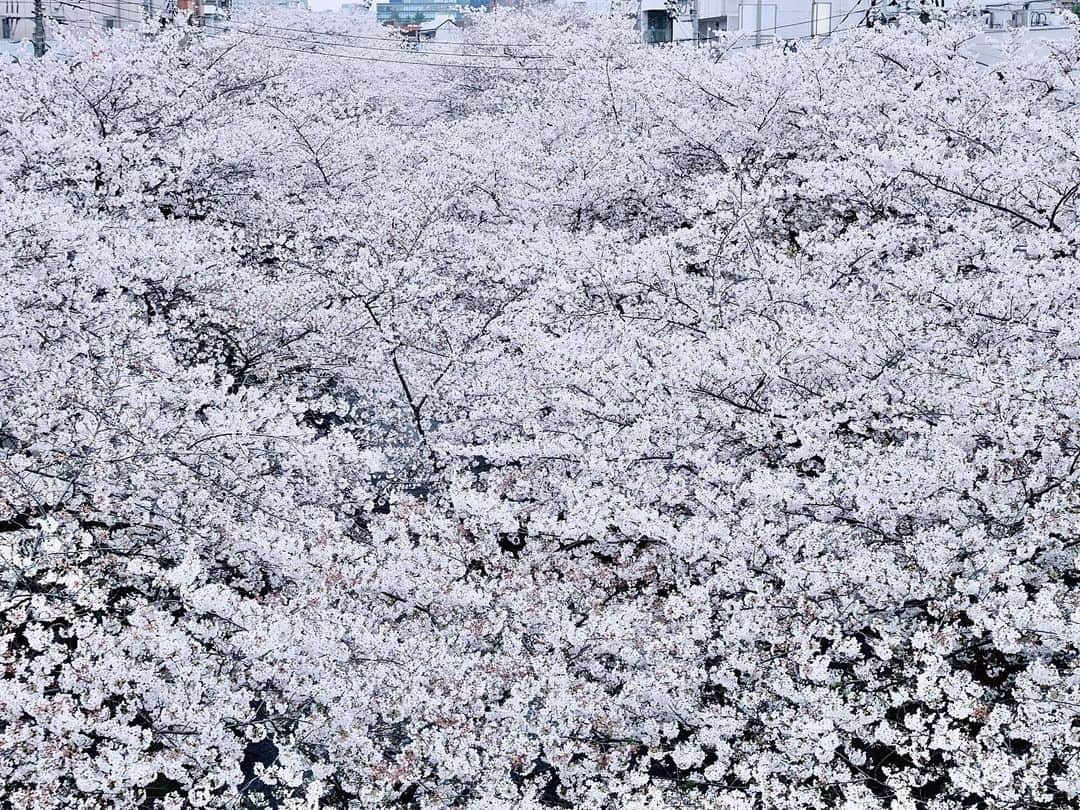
{"x": 433, "y": 35}
{"x": 765, "y": 21}
{"x": 1036, "y": 15}
{"x": 759, "y": 20}
{"x": 401, "y": 13}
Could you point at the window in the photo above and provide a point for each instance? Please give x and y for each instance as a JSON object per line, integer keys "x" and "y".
{"x": 821, "y": 19}
{"x": 658, "y": 26}
{"x": 711, "y": 28}
{"x": 757, "y": 18}
{"x": 7, "y": 27}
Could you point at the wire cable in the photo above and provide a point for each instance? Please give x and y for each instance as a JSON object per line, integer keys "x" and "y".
{"x": 309, "y": 32}
{"x": 820, "y": 37}
{"x": 422, "y": 56}
{"x": 383, "y": 39}
{"x": 111, "y": 5}
{"x": 106, "y": 12}
{"x": 419, "y": 62}
{"x": 755, "y": 32}
{"x": 319, "y": 32}
{"x": 113, "y": 9}
{"x": 95, "y": 6}
{"x": 735, "y": 45}
{"x": 397, "y": 49}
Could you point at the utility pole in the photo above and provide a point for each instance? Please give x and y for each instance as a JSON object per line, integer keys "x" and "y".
{"x": 39, "y": 29}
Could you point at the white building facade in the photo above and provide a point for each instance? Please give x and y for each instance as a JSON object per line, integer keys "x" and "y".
{"x": 800, "y": 19}
{"x": 699, "y": 20}
{"x": 762, "y": 21}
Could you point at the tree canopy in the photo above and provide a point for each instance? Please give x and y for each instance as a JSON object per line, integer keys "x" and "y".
{"x": 592, "y": 426}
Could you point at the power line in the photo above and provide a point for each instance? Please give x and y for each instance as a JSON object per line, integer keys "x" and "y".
{"x": 313, "y": 52}
{"x": 100, "y": 23}
{"x": 376, "y": 48}
{"x": 735, "y": 44}
{"x": 742, "y": 33}
{"x": 420, "y": 62}
{"x": 108, "y": 9}
{"x": 111, "y": 5}
{"x": 384, "y": 39}
{"x": 108, "y": 4}
{"x": 820, "y": 37}
{"x": 308, "y": 32}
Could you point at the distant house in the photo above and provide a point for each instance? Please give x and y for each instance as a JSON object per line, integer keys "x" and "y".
{"x": 439, "y": 29}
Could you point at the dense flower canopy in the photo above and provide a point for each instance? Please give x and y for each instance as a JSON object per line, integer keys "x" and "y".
{"x": 593, "y": 426}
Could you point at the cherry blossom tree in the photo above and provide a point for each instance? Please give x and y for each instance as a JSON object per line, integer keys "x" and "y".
{"x": 556, "y": 422}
